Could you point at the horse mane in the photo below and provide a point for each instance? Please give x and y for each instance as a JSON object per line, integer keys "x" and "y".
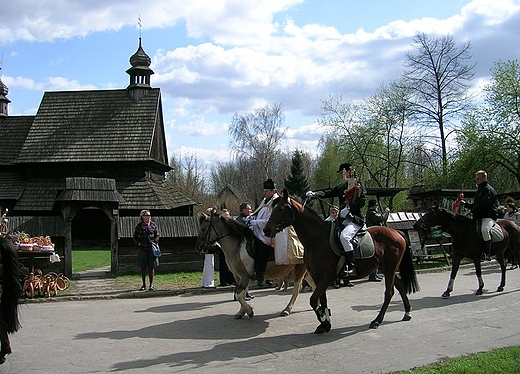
{"x": 238, "y": 228}
{"x": 11, "y": 287}
{"x": 455, "y": 216}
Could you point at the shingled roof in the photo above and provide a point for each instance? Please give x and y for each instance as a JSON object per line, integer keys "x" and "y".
{"x": 13, "y": 132}
{"x": 87, "y": 126}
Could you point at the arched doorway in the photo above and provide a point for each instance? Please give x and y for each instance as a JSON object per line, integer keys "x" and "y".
{"x": 91, "y": 238}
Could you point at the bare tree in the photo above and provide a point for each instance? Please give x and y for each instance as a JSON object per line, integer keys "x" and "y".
{"x": 257, "y": 136}
{"x": 187, "y": 175}
{"x": 439, "y": 73}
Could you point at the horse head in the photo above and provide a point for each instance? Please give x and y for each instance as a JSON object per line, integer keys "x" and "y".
{"x": 207, "y": 233}
{"x": 428, "y": 219}
{"x": 282, "y": 215}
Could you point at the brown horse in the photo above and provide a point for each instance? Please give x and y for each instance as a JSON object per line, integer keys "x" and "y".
{"x": 323, "y": 264}
{"x": 11, "y": 292}
{"x": 234, "y": 237}
{"x": 468, "y": 244}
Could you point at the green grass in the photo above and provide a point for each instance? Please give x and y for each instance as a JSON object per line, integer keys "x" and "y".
{"x": 496, "y": 361}
{"x": 164, "y": 282}
{"x": 86, "y": 259}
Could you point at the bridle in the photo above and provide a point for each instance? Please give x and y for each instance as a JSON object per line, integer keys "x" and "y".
{"x": 288, "y": 208}
{"x": 211, "y": 229}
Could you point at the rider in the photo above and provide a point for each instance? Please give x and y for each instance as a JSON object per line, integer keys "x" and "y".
{"x": 352, "y": 195}
{"x": 256, "y": 222}
{"x": 484, "y": 207}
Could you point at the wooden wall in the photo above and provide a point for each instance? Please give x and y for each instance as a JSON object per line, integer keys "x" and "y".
{"x": 178, "y": 254}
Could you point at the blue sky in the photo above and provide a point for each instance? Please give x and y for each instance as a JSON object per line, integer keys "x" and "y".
{"x": 215, "y": 58}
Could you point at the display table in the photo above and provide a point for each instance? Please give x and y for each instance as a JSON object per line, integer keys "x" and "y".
{"x": 31, "y": 255}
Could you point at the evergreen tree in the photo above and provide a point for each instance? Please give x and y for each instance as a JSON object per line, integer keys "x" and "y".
{"x": 296, "y": 183}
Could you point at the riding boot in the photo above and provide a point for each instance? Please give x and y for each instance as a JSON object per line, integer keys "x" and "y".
{"x": 349, "y": 270}
{"x": 487, "y": 250}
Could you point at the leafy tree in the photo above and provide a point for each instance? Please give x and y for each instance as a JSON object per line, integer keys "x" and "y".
{"x": 489, "y": 137}
{"x": 296, "y": 183}
{"x": 439, "y": 74}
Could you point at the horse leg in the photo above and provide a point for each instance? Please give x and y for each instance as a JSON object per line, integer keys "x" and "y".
{"x": 240, "y": 296}
{"x": 323, "y": 314}
{"x": 5, "y": 343}
{"x": 398, "y": 283}
{"x": 478, "y": 272}
{"x": 502, "y": 261}
{"x": 299, "y": 272}
{"x": 454, "y": 269}
{"x": 389, "y": 293}
{"x": 318, "y": 301}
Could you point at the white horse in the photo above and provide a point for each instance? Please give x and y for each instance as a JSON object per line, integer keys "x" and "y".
{"x": 234, "y": 238}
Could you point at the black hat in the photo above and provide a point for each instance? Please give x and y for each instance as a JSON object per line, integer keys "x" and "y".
{"x": 269, "y": 184}
{"x": 345, "y": 165}
{"x": 372, "y": 203}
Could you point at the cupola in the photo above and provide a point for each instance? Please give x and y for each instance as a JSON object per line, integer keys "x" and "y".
{"x": 140, "y": 73}
{"x": 4, "y": 101}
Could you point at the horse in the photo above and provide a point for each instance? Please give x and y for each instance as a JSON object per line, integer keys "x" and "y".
{"x": 323, "y": 264}
{"x": 11, "y": 291}
{"x": 234, "y": 237}
{"x": 466, "y": 242}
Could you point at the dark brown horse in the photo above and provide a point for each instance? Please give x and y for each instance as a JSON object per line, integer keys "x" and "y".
{"x": 323, "y": 264}
{"x": 468, "y": 244}
{"x": 234, "y": 237}
{"x": 11, "y": 292}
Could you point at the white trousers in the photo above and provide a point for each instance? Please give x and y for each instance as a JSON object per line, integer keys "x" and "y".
{"x": 487, "y": 224}
{"x": 347, "y": 234}
{"x": 208, "y": 271}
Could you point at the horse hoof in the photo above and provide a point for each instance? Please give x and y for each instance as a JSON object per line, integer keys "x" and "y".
{"x": 500, "y": 289}
{"x": 251, "y": 314}
{"x": 374, "y": 325}
{"x": 407, "y": 317}
{"x": 323, "y": 328}
{"x": 445, "y": 295}
{"x": 479, "y": 292}
{"x": 284, "y": 313}
{"x": 238, "y": 315}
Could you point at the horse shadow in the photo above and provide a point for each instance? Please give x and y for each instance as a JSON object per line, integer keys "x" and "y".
{"x": 243, "y": 336}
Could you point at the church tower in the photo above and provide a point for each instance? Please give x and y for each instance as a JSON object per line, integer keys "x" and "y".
{"x": 4, "y": 101}
{"x": 140, "y": 73}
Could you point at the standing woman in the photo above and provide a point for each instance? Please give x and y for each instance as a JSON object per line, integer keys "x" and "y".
{"x": 146, "y": 232}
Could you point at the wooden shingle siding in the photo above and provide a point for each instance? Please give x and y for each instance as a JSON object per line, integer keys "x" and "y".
{"x": 148, "y": 193}
{"x": 169, "y": 227}
{"x": 38, "y": 226}
{"x": 13, "y": 132}
{"x": 90, "y": 189}
{"x": 11, "y": 185}
{"x": 79, "y": 126}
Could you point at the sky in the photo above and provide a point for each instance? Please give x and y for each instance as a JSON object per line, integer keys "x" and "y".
{"x": 216, "y": 58}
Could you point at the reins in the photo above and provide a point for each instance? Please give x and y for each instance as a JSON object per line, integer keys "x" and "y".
{"x": 207, "y": 240}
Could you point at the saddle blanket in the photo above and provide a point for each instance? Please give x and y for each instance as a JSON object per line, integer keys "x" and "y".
{"x": 288, "y": 249}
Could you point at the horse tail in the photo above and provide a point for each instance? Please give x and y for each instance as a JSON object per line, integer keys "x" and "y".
{"x": 407, "y": 270}
{"x": 11, "y": 287}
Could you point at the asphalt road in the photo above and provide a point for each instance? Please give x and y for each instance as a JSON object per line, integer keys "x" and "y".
{"x": 196, "y": 332}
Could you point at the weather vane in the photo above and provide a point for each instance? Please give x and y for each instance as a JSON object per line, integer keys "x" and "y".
{"x": 140, "y": 25}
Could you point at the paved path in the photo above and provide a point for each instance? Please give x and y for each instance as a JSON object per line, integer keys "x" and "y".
{"x": 197, "y": 332}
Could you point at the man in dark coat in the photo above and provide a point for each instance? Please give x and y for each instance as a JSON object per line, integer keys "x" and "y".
{"x": 484, "y": 207}
{"x": 352, "y": 196}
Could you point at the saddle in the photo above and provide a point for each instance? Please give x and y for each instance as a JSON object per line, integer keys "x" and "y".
{"x": 362, "y": 243}
{"x": 497, "y": 235}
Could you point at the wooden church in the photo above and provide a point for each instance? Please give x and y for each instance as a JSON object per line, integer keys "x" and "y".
{"x": 82, "y": 169}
